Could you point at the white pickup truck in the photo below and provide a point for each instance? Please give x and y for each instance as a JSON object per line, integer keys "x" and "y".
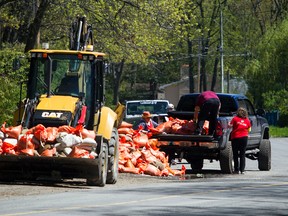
{"x": 135, "y": 108}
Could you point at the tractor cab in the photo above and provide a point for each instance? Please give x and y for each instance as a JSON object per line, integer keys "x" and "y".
{"x": 61, "y": 85}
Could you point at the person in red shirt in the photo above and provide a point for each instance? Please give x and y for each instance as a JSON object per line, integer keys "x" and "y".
{"x": 241, "y": 126}
{"x": 207, "y": 105}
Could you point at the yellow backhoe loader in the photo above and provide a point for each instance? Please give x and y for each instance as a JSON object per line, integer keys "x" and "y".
{"x": 66, "y": 87}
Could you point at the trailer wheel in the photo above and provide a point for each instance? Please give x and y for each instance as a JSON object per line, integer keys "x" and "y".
{"x": 113, "y": 158}
{"x": 226, "y": 159}
{"x": 102, "y": 168}
{"x": 264, "y": 155}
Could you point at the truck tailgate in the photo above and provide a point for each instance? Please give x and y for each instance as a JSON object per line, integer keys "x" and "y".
{"x": 178, "y": 137}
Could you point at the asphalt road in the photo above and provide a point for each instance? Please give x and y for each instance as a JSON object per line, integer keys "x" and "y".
{"x": 255, "y": 193}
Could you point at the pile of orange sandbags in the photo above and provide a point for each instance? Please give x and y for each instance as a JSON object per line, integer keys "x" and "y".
{"x": 139, "y": 153}
{"x": 63, "y": 141}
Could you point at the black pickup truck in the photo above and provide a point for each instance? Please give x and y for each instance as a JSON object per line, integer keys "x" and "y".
{"x": 196, "y": 148}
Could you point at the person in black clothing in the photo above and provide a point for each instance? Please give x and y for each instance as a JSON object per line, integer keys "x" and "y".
{"x": 207, "y": 108}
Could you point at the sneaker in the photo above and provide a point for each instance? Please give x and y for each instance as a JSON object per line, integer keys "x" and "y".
{"x": 243, "y": 172}
{"x": 235, "y": 172}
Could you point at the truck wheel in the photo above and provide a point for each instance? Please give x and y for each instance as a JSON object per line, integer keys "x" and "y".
{"x": 264, "y": 155}
{"x": 196, "y": 165}
{"x": 113, "y": 158}
{"x": 102, "y": 168}
{"x": 226, "y": 159}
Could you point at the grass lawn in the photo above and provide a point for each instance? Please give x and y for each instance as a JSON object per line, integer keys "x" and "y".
{"x": 278, "y": 132}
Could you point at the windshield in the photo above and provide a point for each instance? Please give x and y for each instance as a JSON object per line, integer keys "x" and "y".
{"x": 70, "y": 76}
{"x": 154, "y": 107}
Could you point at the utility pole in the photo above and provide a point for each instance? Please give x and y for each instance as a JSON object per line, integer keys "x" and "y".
{"x": 221, "y": 52}
{"x": 199, "y": 65}
{"x": 191, "y": 79}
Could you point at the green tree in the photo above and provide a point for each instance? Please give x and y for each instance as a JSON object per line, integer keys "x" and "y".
{"x": 268, "y": 69}
{"x": 277, "y": 100}
{"x": 10, "y": 82}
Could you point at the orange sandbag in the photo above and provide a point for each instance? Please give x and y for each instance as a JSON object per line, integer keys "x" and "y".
{"x": 165, "y": 127}
{"x": 125, "y": 124}
{"x": 124, "y": 154}
{"x": 25, "y": 145}
{"x": 129, "y": 164}
{"x": 79, "y": 153}
{"x": 147, "y": 155}
{"x": 188, "y": 127}
{"x": 140, "y": 139}
{"x": 35, "y": 128}
{"x": 40, "y": 133}
{"x": 28, "y": 152}
{"x": 11, "y": 131}
{"x": 8, "y": 148}
{"x": 84, "y": 133}
{"x": 49, "y": 152}
{"x": 177, "y": 172}
{"x": 51, "y": 134}
{"x": 135, "y": 155}
{"x": 125, "y": 130}
{"x": 88, "y": 134}
{"x": 125, "y": 145}
{"x": 165, "y": 172}
{"x": 153, "y": 143}
{"x": 67, "y": 129}
{"x": 175, "y": 128}
{"x": 158, "y": 154}
{"x": 152, "y": 170}
{"x": 123, "y": 169}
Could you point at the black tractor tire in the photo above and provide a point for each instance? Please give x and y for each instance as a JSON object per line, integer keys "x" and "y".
{"x": 196, "y": 165}
{"x": 264, "y": 155}
{"x": 102, "y": 168}
{"x": 113, "y": 158}
{"x": 226, "y": 159}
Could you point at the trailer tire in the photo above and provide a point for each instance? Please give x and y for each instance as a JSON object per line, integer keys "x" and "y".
{"x": 113, "y": 158}
{"x": 264, "y": 155}
{"x": 226, "y": 159}
{"x": 102, "y": 168}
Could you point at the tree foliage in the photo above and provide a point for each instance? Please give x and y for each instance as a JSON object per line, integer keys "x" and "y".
{"x": 147, "y": 42}
{"x": 10, "y": 82}
{"x": 268, "y": 71}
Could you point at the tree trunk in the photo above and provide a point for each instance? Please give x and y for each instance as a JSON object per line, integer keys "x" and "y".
{"x": 118, "y": 70}
{"x": 190, "y": 69}
{"x": 35, "y": 26}
{"x": 214, "y": 77}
